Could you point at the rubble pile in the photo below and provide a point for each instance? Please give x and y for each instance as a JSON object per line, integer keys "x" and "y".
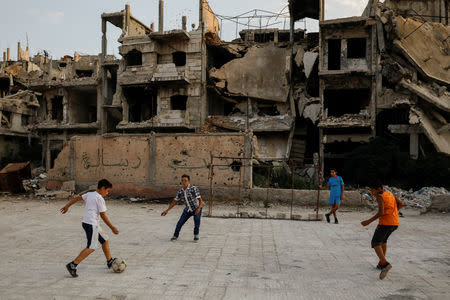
{"x": 420, "y": 199}
{"x": 37, "y": 186}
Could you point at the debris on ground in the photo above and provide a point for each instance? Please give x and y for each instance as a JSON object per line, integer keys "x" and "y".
{"x": 420, "y": 199}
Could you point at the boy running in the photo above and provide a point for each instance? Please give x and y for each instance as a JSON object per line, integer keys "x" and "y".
{"x": 336, "y": 186}
{"x": 388, "y": 206}
{"x": 95, "y": 207}
{"x": 191, "y": 196}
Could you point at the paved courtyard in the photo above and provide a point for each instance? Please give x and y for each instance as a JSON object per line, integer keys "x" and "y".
{"x": 235, "y": 258}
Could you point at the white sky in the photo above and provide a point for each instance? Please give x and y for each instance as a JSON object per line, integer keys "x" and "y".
{"x": 62, "y": 27}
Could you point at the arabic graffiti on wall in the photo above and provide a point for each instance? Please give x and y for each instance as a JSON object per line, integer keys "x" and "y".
{"x": 100, "y": 160}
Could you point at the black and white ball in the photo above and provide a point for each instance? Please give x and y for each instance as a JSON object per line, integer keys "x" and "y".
{"x": 119, "y": 265}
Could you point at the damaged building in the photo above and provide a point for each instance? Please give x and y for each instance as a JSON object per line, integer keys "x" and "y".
{"x": 273, "y": 94}
{"x": 157, "y": 85}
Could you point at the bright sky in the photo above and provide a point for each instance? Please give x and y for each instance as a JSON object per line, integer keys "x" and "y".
{"x": 62, "y": 27}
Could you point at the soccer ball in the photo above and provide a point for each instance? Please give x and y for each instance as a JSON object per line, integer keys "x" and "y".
{"x": 119, "y": 265}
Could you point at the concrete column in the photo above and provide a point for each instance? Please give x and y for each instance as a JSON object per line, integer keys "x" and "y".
{"x": 161, "y": 16}
{"x": 127, "y": 17}
{"x": 126, "y": 110}
{"x": 19, "y": 57}
{"x": 152, "y": 27}
{"x": 275, "y": 36}
{"x": 183, "y": 22}
{"x": 414, "y": 145}
{"x": 100, "y": 100}
{"x": 291, "y": 29}
{"x": 104, "y": 41}
{"x": 65, "y": 103}
{"x": 322, "y": 10}
{"x": 200, "y": 14}
{"x": 48, "y": 157}
{"x": 8, "y": 56}
{"x": 4, "y": 57}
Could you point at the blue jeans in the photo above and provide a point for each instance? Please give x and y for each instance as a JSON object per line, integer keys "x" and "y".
{"x": 184, "y": 217}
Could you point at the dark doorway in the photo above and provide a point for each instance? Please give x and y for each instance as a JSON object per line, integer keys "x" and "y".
{"x": 334, "y": 54}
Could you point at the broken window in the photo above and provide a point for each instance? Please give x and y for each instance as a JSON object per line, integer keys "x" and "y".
{"x": 4, "y": 86}
{"x": 179, "y": 58}
{"x": 178, "y": 102}
{"x": 142, "y": 103}
{"x": 334, "y": 54}
{"x": 346, "y": 101}
{"x": 5, "y": 119}
{"x": 264, "y": 37}
{"x": 219, "y": 105}
{"x": 25, "y": 120}
{"x": 267, "y": 109}
{"x": 55, "y": 149}
{"x": 111, "y": 84}
{"x": 82, "y": 106}
{"x": 62, "y": 64}
{"x": 84, "y": 73}
{"x": 133, "y": 58}
{"x": 57, "y": 108}
{"x": 356, "y": 48}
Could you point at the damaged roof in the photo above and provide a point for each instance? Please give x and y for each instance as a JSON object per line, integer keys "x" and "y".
{"x": 300, "y": 9}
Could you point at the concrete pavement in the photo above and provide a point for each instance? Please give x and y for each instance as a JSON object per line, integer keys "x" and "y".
{"x": 235, "y": 258}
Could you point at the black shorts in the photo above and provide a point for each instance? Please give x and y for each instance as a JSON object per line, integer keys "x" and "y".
{"x": 94, "y": 233}
{"x": 382, "y": 234}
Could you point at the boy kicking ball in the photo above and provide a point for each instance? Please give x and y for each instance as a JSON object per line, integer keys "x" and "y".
{"x": 95, "y": 207}
{"x": 388, "y": 206}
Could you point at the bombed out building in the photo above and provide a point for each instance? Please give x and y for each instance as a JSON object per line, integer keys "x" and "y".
{"x": 269, "y": 95}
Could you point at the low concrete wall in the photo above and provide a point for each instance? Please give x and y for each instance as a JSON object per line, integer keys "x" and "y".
{"x": 281, "y": 196}
{"x": 149, "y": 165}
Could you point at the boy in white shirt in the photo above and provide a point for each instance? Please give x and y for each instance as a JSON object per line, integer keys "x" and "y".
{"x": 95, "y": 207}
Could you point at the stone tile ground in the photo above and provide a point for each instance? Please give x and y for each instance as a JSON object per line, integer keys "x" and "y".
{"x": 235, "y": 258}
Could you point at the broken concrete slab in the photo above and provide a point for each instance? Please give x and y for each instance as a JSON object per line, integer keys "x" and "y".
{"x": 299, "y": 57}
{"x": 440, "y": 203}
{"x": 256, "y": 124}
{"x": 309, "y": 59}
{"x": 441, "y": 140}
{"x": 426, "y": 93}
{"x": 422, "y": 43}
{"x": 312, "y": 111}
{"x": 259, "y": 74}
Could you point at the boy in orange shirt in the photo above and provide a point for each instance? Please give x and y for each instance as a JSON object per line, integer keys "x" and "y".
{"x": 388, "y": 206}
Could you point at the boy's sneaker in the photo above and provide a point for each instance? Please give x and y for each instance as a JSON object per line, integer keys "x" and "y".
{"x": 336, "y": 221}
{"x": 72, "y": 269}
{"x": 384, "y": 270}
{"x": 379, "y": 266}
{"x": 173, "y": 239}
{"x": 328, "y": 217}
{"x": 110, "y": 262}
{"x": 196, "y": 238}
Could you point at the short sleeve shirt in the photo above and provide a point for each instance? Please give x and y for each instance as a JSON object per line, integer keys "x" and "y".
{"x": 190, "y": 197}
{"x": 95, "y": 204}
{"x": 335, "y": 184}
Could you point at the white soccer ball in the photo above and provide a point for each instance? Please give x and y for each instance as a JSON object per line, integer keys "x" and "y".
{"x": 119, "y": 265}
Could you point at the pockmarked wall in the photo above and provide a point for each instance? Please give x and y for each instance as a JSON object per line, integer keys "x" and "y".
{"x": 149, "y": 164}
{"x": 191, "y": 154}
{"x": 121, "y": 159}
